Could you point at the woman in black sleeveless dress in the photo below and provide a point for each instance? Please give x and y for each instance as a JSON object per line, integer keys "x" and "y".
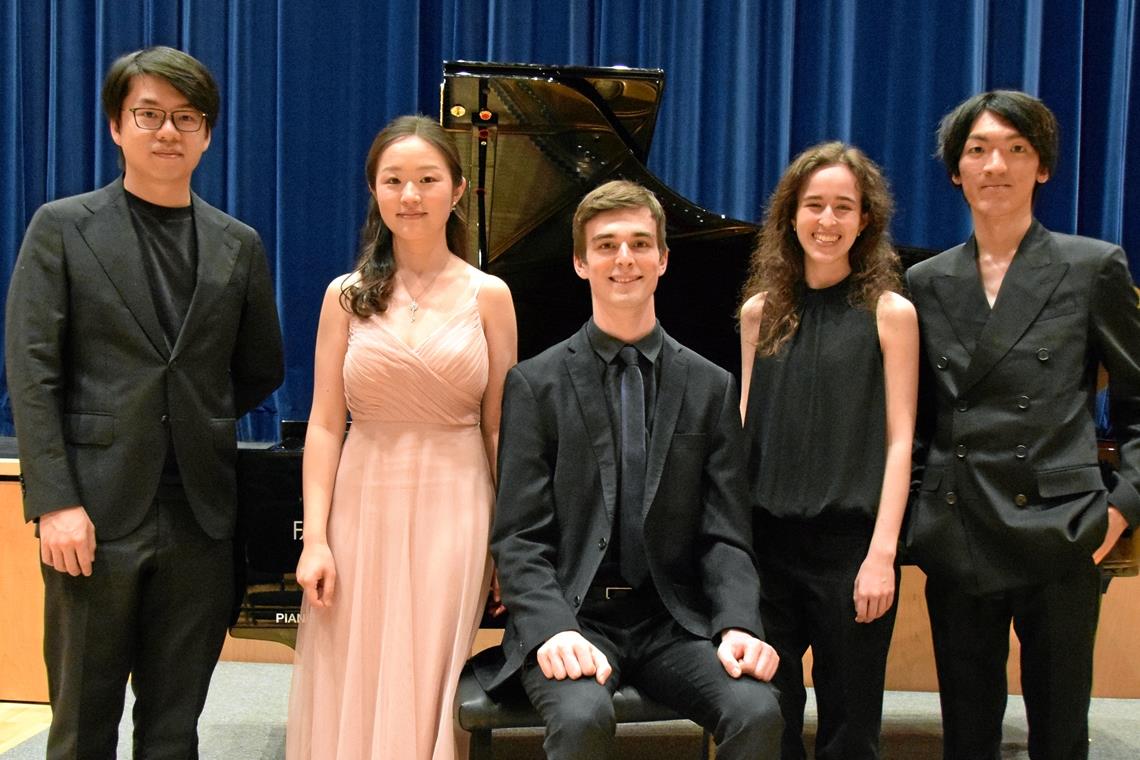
{"x": 829, "y": 351}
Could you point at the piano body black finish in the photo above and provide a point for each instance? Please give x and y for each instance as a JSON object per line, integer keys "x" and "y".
{"x": 534, "y": 140}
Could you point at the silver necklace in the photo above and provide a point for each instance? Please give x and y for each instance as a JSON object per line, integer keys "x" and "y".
{"x": 414, "y": 306}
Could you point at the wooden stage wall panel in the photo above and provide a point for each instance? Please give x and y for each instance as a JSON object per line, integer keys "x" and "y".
{"x": 22, "y": 674}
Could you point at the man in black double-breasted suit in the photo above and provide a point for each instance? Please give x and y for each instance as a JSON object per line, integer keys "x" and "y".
{"x": 1013, "y": 513}
{"x": 624, "y": 550}
{"x": 141, "y": 324}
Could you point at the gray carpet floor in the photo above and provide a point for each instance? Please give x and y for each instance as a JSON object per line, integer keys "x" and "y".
{"x": 244, "y": 719}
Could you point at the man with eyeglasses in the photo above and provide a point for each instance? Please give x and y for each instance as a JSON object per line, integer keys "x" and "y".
{"x": 141, "y": 323}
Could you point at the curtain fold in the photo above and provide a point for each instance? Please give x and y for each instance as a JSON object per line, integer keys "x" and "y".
{"x": 306, "y": 85}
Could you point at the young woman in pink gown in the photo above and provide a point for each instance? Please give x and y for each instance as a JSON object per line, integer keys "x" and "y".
{"x": 414, "y": 344}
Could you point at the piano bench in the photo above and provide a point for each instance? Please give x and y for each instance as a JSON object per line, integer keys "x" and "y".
{"x": 479, "y": 713}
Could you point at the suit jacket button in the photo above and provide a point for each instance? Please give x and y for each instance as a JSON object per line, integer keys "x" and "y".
{"x": 942, "y": 362}
{"x": 1023, "y": 401}
{"x": 165, "y": 419}
{"x": 577, "y": 600}
{"x": 951, "y": 498}
{"x": 1043, "y": 354}
{"x": 960, "y": 452}
{"x": 602, "y": 544}
{"x": 963, "y": 405}
{"x": 1021, "y": 500}
{"x": 1020, "y": 451}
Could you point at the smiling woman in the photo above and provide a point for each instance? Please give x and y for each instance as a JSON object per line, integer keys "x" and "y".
{"x": 415, "y": 343}
{"x": 829, "y": 352}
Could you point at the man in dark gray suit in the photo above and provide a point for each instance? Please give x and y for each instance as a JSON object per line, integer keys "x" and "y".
{"x": 1013, "y": 513}
{"x": 622, "y": 536}
{"x": 141, "y": 324}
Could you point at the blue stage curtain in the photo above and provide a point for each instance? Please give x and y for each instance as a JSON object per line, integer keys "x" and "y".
{"x": 748, "y": 84}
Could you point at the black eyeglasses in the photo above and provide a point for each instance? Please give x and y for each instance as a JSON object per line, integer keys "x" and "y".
{"x": 184, "y": 120}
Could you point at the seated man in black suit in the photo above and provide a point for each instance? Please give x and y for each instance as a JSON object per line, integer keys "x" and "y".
{"x": 622, "y": 532}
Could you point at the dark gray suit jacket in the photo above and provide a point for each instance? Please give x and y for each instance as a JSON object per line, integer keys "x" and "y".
{"x": 1011, "y": 494}
{"x": 96, "y": 391}
{"x": 558, "y": 493}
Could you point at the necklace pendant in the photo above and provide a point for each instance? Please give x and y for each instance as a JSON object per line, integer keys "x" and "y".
{"x": 413, "y": 308}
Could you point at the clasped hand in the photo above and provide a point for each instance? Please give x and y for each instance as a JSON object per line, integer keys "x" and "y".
{"x": 569, "y": 655}
{"x": 742, "y": 654}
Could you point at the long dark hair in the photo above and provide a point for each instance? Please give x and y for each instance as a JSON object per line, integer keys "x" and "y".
{"x": 368, "y": 293}
{"x": 777, "y": 266}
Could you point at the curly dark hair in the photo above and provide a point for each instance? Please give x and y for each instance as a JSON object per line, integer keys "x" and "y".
{"x": 777, "y": 265}
{"x": 368, "y": 293}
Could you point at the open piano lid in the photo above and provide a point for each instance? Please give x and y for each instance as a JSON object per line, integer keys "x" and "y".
{"x": 534, "y": 139}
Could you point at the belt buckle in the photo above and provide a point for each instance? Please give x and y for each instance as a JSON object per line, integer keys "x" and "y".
{"x": 613, "y": 592}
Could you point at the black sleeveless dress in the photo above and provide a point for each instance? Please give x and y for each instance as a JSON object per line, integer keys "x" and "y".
{"x": 816, "y": 418}
{"x": 816, "y": 427}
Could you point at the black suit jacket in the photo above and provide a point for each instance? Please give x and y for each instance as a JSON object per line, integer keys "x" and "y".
{"x": 1011, "y": 494}
{"x": 558, "y": 494}
{"x": 97, "y": 392}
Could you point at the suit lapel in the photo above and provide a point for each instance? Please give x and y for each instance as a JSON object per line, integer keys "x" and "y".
{"x": 217, "y": 255}
{"x": 583, "y": 370}
{"x": 674, "y": 378}
{"x": 959, "y": 292}
{"x": 1028, "y": 284}
{"x": 111, "y": 236}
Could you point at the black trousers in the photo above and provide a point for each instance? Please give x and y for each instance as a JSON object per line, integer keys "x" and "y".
{"x": 155, "y": 608}
{"x": 1056, "y": 625}
{"x": 807, "y": 581}
{"x": 647, "y": 648}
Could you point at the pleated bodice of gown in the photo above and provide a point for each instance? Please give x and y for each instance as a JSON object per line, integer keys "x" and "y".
{"x": 375, "y": 674}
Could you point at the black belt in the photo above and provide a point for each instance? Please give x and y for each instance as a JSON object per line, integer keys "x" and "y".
{"x": 605, "y": 593}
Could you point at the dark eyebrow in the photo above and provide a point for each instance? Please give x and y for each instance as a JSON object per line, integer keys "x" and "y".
{"x": 608, "y": 235}
{"x": 152, "y": 102}
{"x": 424, "y": 168}
{"x": 983, "y": 138}
{"x": 817, "y": 196}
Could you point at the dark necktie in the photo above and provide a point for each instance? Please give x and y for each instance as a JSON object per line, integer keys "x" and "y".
{"x": 634, "y": 566}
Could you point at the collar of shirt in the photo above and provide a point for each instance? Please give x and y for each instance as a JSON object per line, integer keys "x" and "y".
{"x": 606, "y": 346}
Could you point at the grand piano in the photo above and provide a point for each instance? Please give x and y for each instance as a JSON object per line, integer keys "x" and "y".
{"x": 534, "y": 139}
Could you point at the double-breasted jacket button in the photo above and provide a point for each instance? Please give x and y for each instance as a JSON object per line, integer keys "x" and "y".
{"x": 602, "y": 543}
{"x": 165, "y": 419}
{"x": 951, "y": 498}
{"x": 1043, "y": 354}
{"x": 577, "y": 600}
{"x": 1020, "y": 451}
{"x": 960, "y": 451}
{"x": 1023, "y": 402}
{"x": 942, "y": 362}
{"x": 1021, "y": 500}
{"x": 963, "y": 405}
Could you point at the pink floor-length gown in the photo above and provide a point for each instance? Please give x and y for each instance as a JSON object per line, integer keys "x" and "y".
{"x": 375, "y": 674}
